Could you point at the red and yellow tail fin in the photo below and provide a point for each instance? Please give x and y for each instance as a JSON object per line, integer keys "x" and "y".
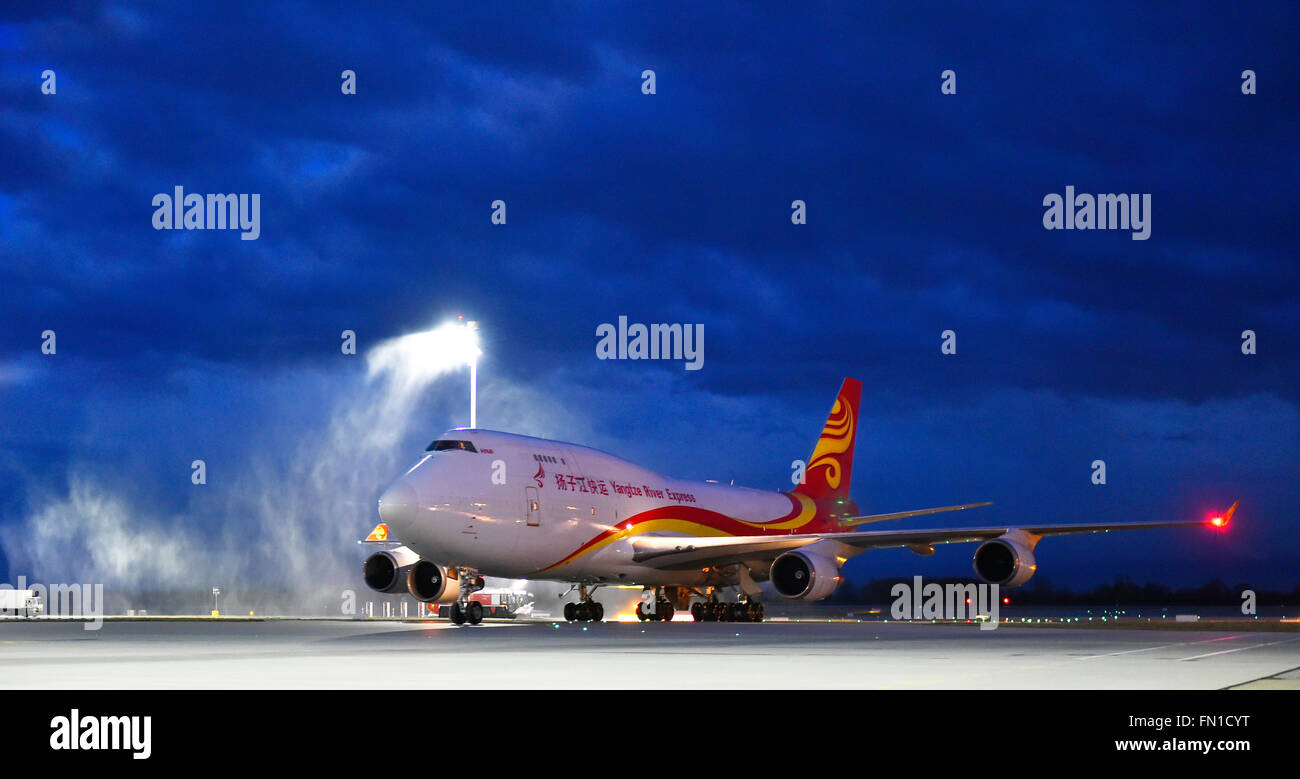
{"x": 831, "y": 464}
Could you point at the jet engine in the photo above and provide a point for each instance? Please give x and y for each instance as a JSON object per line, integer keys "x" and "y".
{"x": 804, "y": 576}
{"x": 433, "y": 583}
{"x": 386, "y": 571}
{"x": 1005, "y": 561}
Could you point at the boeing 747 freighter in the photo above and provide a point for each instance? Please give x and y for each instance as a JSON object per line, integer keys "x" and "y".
{"x": 481, "y": 502}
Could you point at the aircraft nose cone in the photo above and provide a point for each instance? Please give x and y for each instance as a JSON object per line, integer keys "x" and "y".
{"x": 399, "y": 505}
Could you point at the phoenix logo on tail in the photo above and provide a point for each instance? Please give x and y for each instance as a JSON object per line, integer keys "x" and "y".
{"x": 831, "y": 464}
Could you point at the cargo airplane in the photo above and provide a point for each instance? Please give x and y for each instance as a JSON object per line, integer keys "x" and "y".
{"x": 577, "y": 515}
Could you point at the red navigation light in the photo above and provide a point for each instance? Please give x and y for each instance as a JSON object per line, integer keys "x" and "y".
{"x": 1222, "y": 520}
{"x": 1006, "y": 600}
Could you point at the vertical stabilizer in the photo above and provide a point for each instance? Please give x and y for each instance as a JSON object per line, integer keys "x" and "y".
{"x": 831, "y": 464}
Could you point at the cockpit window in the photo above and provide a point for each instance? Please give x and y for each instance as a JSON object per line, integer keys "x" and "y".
{"x": 444, "y": 443}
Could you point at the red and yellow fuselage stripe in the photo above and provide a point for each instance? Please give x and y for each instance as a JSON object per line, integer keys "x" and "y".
{"x": 699, "y": 522}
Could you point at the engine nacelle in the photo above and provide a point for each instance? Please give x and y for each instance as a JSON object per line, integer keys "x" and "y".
{"x": 804, "y": 576}
{"x": 1005, "y": 561}
{"x": 386, "y": 571}
{"x": 433, "y": 583}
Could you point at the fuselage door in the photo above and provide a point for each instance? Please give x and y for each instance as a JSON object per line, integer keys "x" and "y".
{"x": 532, "y": 508}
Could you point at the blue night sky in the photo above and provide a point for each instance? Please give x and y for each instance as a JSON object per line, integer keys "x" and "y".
{"x": 924, "y": 213}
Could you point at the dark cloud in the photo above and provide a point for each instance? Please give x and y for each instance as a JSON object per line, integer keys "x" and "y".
{"x": 924, "y": 210}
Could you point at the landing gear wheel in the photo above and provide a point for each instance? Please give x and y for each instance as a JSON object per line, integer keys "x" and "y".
{"x": 570, "y": 611}
{"x": 697, "y": 611}
{"x": 475, "y": 614}
{"x": 640, "y": 613}
{"x": 457, "y": 614}
{"x": 597, "y": 612}
{"x": 755, "y": 612}
{"x": 664, "y": 611}
{"x": 583, "y": 611}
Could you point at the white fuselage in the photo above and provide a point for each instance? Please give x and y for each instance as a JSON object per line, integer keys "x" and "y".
{"x": 523, "y": 507}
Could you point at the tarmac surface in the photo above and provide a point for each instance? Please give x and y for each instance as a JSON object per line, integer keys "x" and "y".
{"x": 292, "y": 653}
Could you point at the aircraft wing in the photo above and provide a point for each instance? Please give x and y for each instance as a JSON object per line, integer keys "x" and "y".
{"x": 852, "y": 521}
{"x": 677, "y": 553}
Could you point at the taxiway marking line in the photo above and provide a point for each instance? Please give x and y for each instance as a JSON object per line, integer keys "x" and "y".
{"x": 1162, "y": 646}
{"x": 1238, "y": 649}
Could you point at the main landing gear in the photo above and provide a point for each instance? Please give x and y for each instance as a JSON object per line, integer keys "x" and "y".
{"x": 585, "y": 610}
{"x": 663, "y": 608}
{"x": 708, "y": 610}
{"x": 663, "y": 612}
{"x": 716, "y": 611}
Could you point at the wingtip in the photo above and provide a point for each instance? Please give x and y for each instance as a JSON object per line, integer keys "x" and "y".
{"x": 1226, "y": 517}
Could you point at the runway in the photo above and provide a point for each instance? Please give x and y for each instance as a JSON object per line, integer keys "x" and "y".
{"x": 811, "y": 655}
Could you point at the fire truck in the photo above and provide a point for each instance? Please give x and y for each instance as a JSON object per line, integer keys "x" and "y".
{"x": 496, "y": 601}
{"x": 20, "y": 603}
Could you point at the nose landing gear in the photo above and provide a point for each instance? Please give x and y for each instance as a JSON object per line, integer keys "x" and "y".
{"x": 463, "y": 609}
{"x": 471, "y": 612}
